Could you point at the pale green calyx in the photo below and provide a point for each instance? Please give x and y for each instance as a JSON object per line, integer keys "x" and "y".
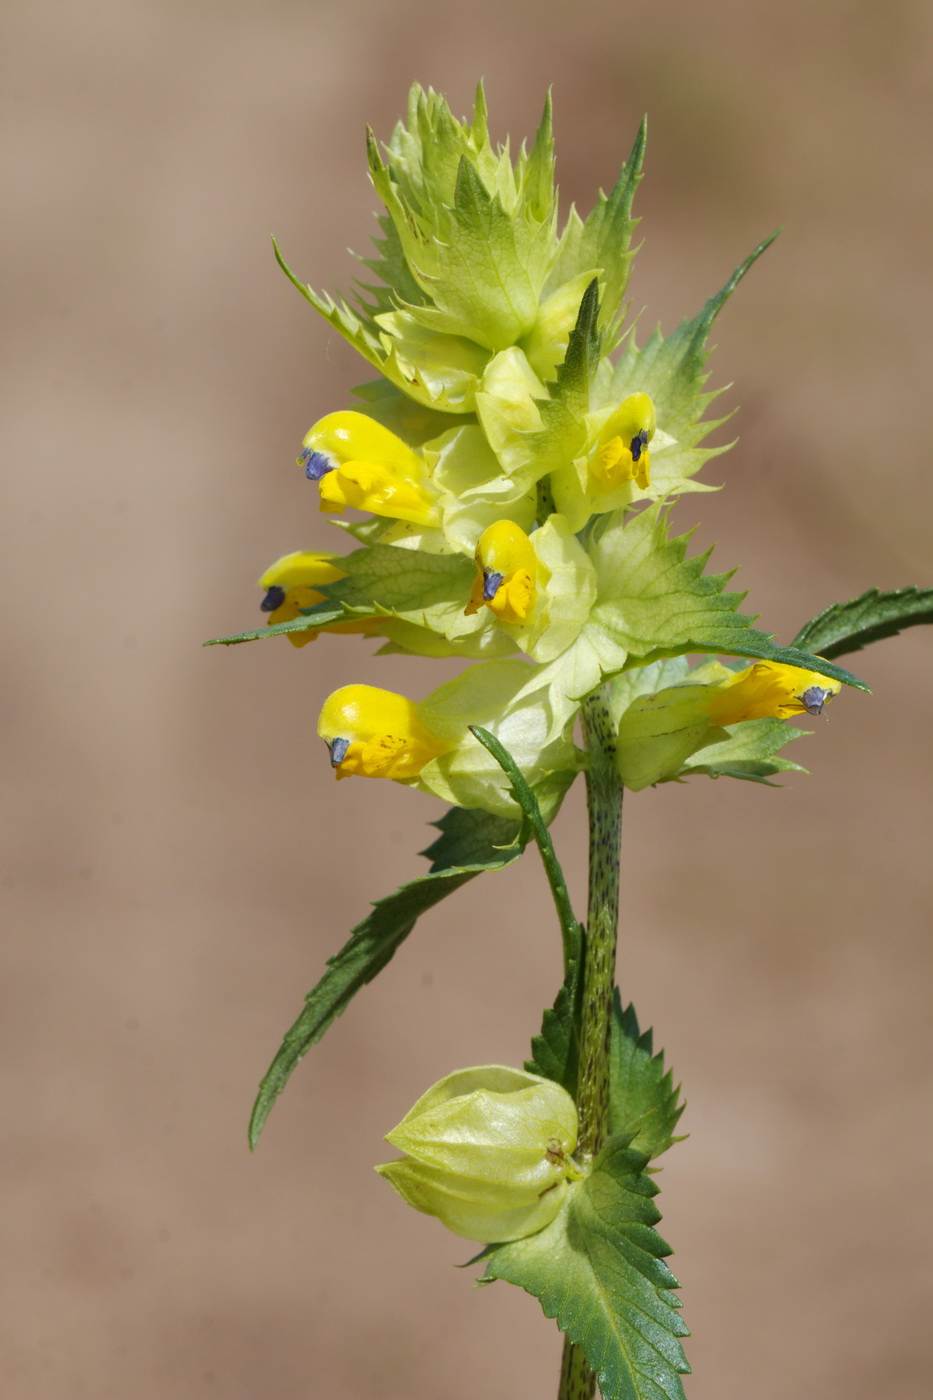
{"x": 489, "y": 1151}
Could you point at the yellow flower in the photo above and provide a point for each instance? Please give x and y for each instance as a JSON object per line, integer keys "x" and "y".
{"x": 357, "y": 462}
{"x": 770, "y": 689}
{"x": 290, "y": 590}
{"x": 622, "y": 450}
{"x": 506, "y": 574}
{"x": 376, "y": 734}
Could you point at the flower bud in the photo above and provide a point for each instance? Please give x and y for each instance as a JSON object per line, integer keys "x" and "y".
{"x": 489, "y": 1152}
{"x": 357, "y": 462}
{"x": 770, "y": 688}
{"x": 376, "y": 734}
{"x": 506, "y": 574}
{"x": 622, "y": 452}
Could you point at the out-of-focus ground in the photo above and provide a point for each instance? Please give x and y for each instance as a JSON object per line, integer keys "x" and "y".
{"x": 177, "y": 862}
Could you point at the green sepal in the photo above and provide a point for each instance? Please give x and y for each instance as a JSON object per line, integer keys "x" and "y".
{"x": 643, "y": 1098}
{"x": 598, "y": 1269}
{"x": 469, "y": 843}
{"x": 749, "y": 752}
{"x": 415, "y": 423}
{"x": 845, "y": 627}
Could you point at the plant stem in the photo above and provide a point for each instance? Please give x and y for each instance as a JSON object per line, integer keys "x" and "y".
{"x": 604, "y": 805}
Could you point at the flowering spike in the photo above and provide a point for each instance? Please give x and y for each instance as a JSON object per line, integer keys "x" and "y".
{"x": 376, "y": 734}
{"x": 506, "y": 574}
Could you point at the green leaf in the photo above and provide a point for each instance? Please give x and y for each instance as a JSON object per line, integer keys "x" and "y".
{"x": 654, "y": 602}
{"x": 846, "y": 627}
{"x": 381, "y": 579}
{"x": 575, "y": 376}
{"x": 598, "y": 1269}
{"x": 536, "y": 170}
{"x": 643, "y": 1099}
{"x": 535, "y": 825}
{"x": 470, "y": 842}
{"x": 485, "y": 278}
{"x": 673, "y": 371}
{"x": 555, "y": 1053}
{"x": 318, "y": 616}
{"x": 604, "y": 240}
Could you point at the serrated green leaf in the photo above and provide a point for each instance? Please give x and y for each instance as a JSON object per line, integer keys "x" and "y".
{"x": 555, "y": 1052}
{"x": 654, "y": 602}
{"x": 485, "y": 277}
{"x": 535, "y": 172}
{"x": 470, "y": 842}
{"x": 672, "y": 370}
{"x": 643, "y": 1099}
{"x": 598, "y": 1269}
{"x": 575, "y": 376}
{"x": 604, "y": 240}
{"x": 845, "y": 627}
{"x": 380, "y": 580}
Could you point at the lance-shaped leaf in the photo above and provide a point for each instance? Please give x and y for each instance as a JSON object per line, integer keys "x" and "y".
{"x": 845, "y": 627}
{"x": 470, "y": 842}
{"x": 598, "y": 1269}
{"x": 654, "y": 602}
{"x": 534, "y": 825}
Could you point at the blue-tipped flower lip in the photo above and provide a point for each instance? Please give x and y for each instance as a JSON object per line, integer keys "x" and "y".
{"x": 814, "y": 698}
{"x": 638, "y": 444}
{"x": 338, "y": 750}
{"x": 316, "y": 464}
{"x": 492, "y": 582}
{"x": 275, "y": 597}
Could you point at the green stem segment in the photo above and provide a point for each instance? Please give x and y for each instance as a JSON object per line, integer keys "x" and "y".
{"x": 604, "y": 804}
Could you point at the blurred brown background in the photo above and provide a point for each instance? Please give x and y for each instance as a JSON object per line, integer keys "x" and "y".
{"x": 177, "y": 861}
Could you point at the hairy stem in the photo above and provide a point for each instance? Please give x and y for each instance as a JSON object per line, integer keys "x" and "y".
{"x": 604, "y": 804}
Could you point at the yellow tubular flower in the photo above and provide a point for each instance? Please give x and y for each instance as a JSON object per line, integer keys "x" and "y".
{"x": 622, "y": 451}
{"x": 506, "y": 574}
{"x": 376, "y": 734}
{"x": 770, "y": 689}
{"x": 357, "y": 462}
{"x": 289, "y": 585}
